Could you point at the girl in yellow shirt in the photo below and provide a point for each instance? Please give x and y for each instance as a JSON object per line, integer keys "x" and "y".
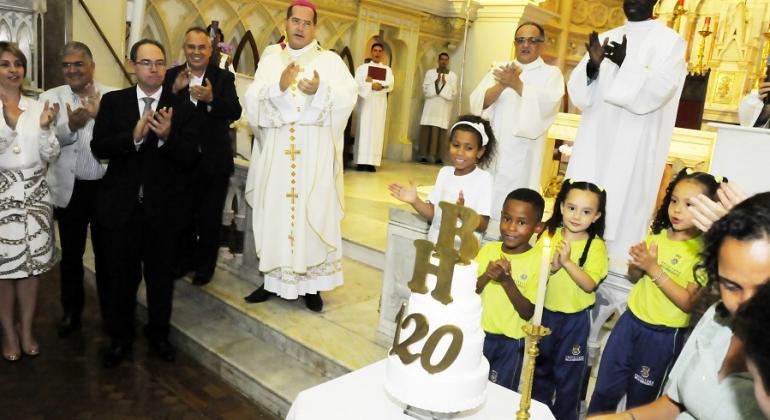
{"x": 649, "y": 336}
{"x": 580, "y": 263}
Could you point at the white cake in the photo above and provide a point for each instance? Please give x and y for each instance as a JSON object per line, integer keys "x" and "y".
{"x": 462, "y": 386}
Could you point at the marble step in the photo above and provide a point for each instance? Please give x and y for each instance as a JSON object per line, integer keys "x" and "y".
{"x": 240, "y": 358}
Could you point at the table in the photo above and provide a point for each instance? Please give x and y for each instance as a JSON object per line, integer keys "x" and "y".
{"x": 361, "y": 395}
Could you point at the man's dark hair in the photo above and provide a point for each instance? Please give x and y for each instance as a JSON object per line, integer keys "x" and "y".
{"x": 377, "y": 44}
{"x": 528, "y": 196}
{"x": 315, "y": 14}
{"x": 145, "y": 41}
{"x": 75, "y": 46}
{"x": 443, "y": 54}
{"x": 197, "y": 29}
{"x": 535, "y": 24}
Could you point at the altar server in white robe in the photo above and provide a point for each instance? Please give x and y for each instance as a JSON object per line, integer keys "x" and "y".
{"x": 371, "y": 110}
{"x": 300, "y": 100}
{"x": 753, "y": 112}
{"x": 440, "y": 89}
{"x": 628, "y": 87}
{"x": 521, "y": 99}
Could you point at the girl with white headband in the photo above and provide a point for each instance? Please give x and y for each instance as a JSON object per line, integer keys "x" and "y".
{"x": 471, "y": 144}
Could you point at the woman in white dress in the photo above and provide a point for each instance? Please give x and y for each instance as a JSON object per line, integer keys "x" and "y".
{"x": 26, "y": 233}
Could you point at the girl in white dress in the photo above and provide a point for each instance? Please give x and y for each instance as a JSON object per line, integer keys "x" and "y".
{"x": 26, "y": 233}
{"x": 471, "y": 145}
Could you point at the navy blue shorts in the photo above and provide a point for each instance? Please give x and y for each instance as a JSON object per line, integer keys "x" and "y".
{"x": 635, "y": 363}
{"x": 561, "y": 365}
{"x": 505, "y": 359}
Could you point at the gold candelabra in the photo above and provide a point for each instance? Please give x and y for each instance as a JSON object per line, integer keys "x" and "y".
{"x": 765, "y": 54}
{"x": 699, "y": 67}
{"x": 678, "y": 12}
{"x": 535, "y": 333}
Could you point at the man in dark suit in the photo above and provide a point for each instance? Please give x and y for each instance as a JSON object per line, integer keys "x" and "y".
{"x": 145, "y": 200}
{"x": 211, "y": 91}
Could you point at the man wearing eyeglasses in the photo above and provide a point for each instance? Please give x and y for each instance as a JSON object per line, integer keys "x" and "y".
{"x": 148, "y": 137}
{"x": 74, "y": 179}
{"x": 627, "y": 86}
{"x": 211, "y": 90}
{"x": 300, "y": 102}
{"x": 521, "y": 99}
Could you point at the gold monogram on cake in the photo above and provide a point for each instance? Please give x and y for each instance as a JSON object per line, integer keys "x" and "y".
{"x": 447, "y": 256}
{"x": 445, "y": 250}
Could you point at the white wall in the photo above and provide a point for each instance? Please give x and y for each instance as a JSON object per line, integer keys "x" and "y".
{"x": 111, "y": 17}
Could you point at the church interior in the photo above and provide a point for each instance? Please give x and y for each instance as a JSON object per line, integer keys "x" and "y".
{"x": 272, "y": 352}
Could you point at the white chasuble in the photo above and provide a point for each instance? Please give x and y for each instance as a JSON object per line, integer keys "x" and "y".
{"x": 370, "y": 115}
{"x": 439, "y": 99}
{"x": 520, "y": 123}
{"x": 295, "y": 186}
{"x": 625, "y": 130}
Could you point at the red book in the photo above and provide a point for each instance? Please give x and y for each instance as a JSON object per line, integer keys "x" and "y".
{"x": 376, "y": 73}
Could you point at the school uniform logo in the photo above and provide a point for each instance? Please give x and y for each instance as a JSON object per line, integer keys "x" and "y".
{"x": 643, "y": 376}
{"x": 493, "y": 376}
{"x": 576, "y": 356}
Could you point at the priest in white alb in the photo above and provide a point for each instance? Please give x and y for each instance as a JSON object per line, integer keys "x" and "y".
{"x": 375, "y": 81}
{"x": 521, "y": 99}
{"x": 440, "y": 89}
{"x": 300, "y": 100}
{"x": 627, "y": 87}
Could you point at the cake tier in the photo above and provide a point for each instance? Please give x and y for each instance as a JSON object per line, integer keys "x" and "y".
{"x": 462, "y": 384}
{"x": 444, "y": 392}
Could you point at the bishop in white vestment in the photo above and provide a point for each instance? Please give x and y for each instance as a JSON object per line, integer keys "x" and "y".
{"x": 295, "y": 188}
{"x": 371, "y": 111}
{"x": 520, "y": 118}
{"x": 625, "y": 129}
{"x": 753, "y": 112}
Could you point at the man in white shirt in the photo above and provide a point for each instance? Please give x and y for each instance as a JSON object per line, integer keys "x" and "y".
{"x": 627, "y": 87}
{"x": 753, "y": 112}
{"x": 74, "y": 181}
{"x": 521, "y": 99}
{"x": 440, "y": 88}
{"x": 375, "y": 81}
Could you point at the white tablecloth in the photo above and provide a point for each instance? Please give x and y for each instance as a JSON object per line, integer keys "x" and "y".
{"x": 360, "y": 395}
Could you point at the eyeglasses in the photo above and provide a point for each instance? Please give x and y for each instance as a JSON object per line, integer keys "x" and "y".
{"x": 77, "y": 65}
{"x": 532, "y": 40}
{"x": 149, "y": 64}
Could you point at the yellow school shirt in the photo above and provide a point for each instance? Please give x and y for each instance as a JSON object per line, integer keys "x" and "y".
{"x": 563, "y": 294}
{"x": 498, "y": 315}
{"x": 677, "y": 258}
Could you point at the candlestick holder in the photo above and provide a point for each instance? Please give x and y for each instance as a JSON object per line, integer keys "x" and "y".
{"x": 679, "y": 10}
{"x": 763, "y": 64}
{"x": 535, "y": 333}
{"x": 699, "y": 68}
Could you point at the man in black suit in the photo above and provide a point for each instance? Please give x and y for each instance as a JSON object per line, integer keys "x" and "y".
{"x": 145, "y": 199}
{"x": 211, "y": 91}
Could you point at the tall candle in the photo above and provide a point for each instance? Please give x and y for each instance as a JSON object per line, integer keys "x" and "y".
{"x": 708, "y": 21}
{"x": 545, "y": 270}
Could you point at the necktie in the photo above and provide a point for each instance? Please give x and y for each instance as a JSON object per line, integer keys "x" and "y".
{"x": 147, "y": 108}
{"x": 147, "y": 105}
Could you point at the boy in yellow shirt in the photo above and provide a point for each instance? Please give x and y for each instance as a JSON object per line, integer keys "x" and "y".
{"x": 508, "y": 280}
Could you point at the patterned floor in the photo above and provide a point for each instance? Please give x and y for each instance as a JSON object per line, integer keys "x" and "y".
{"x": 67, "y": 382}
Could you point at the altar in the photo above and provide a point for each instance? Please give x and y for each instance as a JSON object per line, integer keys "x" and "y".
{"x": 361, "y": 395}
